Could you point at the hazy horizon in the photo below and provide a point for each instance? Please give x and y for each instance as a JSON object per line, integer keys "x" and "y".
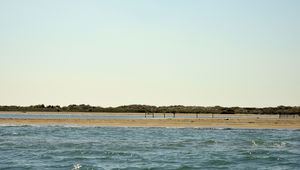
{"x": 113, "y": 53}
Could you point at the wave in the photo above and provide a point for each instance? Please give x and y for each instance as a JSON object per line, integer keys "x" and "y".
{"x": 140, "y": 127}
{"x": 262, "y": 143}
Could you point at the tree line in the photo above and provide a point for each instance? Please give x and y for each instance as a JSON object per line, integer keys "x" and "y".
{"x": 155, "y": 109}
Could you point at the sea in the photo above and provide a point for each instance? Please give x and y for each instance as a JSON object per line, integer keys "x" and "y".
{"x": 60, "y": 116}
{"x": 88, "y": 147}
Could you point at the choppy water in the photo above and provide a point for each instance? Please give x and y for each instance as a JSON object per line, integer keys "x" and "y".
{"x": 61, "y": 147}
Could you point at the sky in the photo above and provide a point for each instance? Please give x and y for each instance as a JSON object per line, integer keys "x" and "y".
{"x": 171, "y": 52}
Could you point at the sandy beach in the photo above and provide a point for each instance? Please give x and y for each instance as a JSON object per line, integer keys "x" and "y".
{"x": 256, "y": 122}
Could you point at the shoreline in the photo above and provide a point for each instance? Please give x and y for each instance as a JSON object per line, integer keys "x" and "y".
{"x": 167, "y": 122}
{"x": 220, "y": 120}
{"x": 142, "y": 114}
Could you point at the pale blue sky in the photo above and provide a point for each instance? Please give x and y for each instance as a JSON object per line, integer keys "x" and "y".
{"x": 156, "y": 52}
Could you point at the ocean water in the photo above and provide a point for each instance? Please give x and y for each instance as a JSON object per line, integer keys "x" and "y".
{"x": 63, "y": 147}
{"x": 142, "y": 116}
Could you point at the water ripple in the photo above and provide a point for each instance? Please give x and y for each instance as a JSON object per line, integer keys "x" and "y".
{"x": 61, "y": 147}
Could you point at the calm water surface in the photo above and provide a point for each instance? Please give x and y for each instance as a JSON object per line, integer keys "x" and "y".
{"x": 142, "y": 116}
{"x": 62, "y": 147}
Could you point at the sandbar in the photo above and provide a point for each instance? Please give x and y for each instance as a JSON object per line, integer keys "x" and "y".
{"x": 260, "y": 123}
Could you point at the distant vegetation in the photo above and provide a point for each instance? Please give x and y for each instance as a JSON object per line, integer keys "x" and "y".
{"x": 155, "y": 109}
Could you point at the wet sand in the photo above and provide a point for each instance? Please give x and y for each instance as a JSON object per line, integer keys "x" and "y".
{"x": 168, "y": 122}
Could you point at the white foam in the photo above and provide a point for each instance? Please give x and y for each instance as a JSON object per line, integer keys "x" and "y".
{"x": 254, "y": 143}
{"x": 76, "y": 166}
